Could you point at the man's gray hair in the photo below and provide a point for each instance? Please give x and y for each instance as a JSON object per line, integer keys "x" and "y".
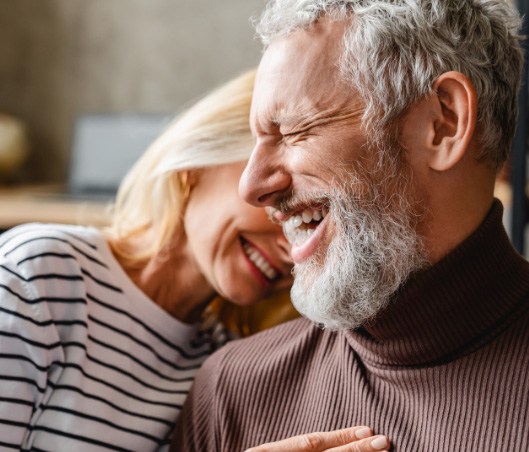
{"x": 394, "y": 50}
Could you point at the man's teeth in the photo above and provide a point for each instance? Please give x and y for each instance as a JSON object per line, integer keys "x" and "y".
{"x": 307, "y": 216}
{"x": 259, "y": 261}
{"x": 297, "y": 235}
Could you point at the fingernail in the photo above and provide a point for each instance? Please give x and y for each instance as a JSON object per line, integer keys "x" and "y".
{"x": 363, "y": 432}
{"x": 379, "y": 443}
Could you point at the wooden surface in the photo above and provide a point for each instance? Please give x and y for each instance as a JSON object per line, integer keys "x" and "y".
{"x": 45, "y": 204}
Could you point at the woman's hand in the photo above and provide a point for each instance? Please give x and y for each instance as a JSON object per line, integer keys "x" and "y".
{"x": 353, "y": 439}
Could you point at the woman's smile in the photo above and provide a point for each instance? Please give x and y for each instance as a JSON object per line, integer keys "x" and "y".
{"x": 260, "y": 264}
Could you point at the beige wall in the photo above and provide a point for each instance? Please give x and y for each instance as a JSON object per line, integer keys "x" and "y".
{"x": 61, "y": 57}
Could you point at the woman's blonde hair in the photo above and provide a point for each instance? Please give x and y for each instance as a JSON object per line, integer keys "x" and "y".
{"x": 152, "y": 196}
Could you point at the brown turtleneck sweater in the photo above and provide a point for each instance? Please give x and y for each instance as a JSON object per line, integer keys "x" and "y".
{"x": 444, "y": 368}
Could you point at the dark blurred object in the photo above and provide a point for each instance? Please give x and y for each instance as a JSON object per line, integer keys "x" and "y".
{"x": 519, "y": 149}
{"x": 104, "y": 148}
{"x": 14, "y": 147}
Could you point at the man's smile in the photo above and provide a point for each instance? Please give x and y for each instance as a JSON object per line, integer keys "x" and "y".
{"x": 303, "y": 229}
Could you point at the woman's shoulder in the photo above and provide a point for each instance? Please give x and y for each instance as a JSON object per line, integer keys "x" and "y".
{"x": 41, "y": 273}
{"x": 35, "y": 250}
{"x": 47, "y": 238}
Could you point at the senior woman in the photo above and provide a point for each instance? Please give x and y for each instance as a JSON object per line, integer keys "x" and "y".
{"x": 101, "y": 332}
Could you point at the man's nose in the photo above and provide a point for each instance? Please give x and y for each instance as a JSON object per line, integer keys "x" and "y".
{"x": 265, "y": 178}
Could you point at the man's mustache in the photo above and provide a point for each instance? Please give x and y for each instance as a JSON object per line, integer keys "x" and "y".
{"x": 291, "y": 203}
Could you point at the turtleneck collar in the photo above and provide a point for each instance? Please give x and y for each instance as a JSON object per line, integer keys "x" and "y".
{"x": 454, "y": 306}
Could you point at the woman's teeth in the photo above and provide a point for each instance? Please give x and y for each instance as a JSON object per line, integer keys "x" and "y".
{"x": 259, "y": 261}
{"x": 297, "y": 229}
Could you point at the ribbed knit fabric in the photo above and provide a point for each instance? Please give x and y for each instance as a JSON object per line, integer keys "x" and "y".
{"x": 444, "y": 368}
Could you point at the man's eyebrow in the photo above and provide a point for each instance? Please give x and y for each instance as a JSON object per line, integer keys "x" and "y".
{"x": 304, "y": 121}
{"x": 300, "y": 118}
{"x": 263, "y": 123}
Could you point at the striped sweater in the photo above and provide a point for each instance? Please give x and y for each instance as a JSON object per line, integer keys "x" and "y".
{"x": 444, "y": 368}
{"x": 87, "y": 361}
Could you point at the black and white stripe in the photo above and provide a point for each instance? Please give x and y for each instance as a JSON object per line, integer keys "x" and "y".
{"x": 87, "y": 362}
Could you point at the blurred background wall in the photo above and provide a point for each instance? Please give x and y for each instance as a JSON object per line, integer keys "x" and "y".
{"x": 59, "y": 58}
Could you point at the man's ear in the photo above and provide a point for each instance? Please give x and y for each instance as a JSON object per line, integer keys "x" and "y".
{"x": 454, "y": 122}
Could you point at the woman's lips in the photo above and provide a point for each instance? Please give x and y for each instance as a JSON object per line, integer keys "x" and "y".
{"x": 260, "y": 264}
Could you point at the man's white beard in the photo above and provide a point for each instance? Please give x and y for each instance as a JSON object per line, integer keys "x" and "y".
{"x": 373, "y": 251}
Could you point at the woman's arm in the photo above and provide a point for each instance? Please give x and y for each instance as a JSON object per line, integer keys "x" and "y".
{"x": 29, "y": 346}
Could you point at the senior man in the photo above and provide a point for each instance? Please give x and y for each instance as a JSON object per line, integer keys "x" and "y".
{"x": 380, "y": 127}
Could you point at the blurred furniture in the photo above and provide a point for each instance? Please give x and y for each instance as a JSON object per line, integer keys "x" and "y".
{"x": 103, "y": 148}
{"x": 45, "y": 204}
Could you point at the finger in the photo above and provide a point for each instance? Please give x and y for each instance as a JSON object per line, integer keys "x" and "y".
{"x": 377, "y": 443}
{"x": 316, "y": 442}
